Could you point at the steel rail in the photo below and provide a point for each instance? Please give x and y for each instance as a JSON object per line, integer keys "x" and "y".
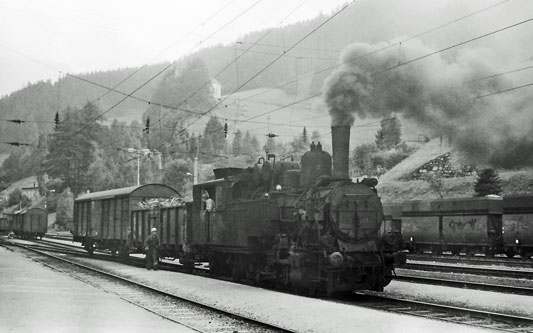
{"x": 153, "y": 290}
{"x": 464, "y": 284}
{"x": 460, "y": 315}
{"x": 509, "y": 273}
{"x": 495, "y": 261}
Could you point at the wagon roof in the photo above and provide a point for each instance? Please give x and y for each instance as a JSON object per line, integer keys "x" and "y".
{"x": 25, "y": 210}
{"x": 127, "y": 191}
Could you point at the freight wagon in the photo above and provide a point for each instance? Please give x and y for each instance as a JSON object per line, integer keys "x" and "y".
{"x": 468, "y": 225}
{"x": 392, "y": 226}
{"x": 4, "y": 225}
{"x": 106, "y": 219}
{"x": 172, "y": 220}
{"x": 29, "y": 222}
{"x": 518, "y": 225}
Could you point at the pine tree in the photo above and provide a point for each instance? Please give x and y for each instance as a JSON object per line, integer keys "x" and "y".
{"x": 71, "y": 148}
{"x": 487, "y": 183}
{"x": 175, "y": 175}
{"x": 192, "y": 146}
{"x": 237, "y": 143}
{"x": 65, "y": 207}
{"x": 212, "y": 142}
{"x": 254, "y": 144}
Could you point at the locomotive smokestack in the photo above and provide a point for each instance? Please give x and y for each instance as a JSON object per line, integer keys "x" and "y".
{"x": 340, "y": 139}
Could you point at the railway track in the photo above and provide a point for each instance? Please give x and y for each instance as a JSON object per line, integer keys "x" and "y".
{"x": 485, "y": 319}
{"x": 405, "y": 274}
{"x": 474, "y": 261}
{"x": 518, "y": 290}
{"x": 182, "y": 311}
{"x": 464, "y": 316}
{"x": 460, "y": 269}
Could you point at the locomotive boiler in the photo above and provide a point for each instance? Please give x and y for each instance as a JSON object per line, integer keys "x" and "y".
{"x": 306, "y": 227}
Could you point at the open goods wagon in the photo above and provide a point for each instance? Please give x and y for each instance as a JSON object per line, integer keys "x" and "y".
{"x": 392, "y": 225}
{"x": 172, "y": 220}
{"x": 30, "y": 222}
{"x": 468, "y": 225}
{"x": 518, "y": 225}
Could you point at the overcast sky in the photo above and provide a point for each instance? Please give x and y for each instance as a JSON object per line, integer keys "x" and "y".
{"x": 41, "y": 38}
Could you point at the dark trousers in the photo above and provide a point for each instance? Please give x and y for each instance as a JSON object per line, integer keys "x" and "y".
{"x": 152, "y": 258}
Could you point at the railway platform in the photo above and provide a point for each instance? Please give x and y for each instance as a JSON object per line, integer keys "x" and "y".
{"x": 292, "y": 312}
{"x": 35, "y": 298}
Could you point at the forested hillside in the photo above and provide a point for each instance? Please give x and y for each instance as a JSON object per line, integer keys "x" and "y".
{"x": 38, "y": 103}
{"x": 307, "y": 50}
{"x": 166, "y": 100}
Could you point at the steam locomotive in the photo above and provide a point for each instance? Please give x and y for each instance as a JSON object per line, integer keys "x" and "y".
{"x": 305, "y": 227}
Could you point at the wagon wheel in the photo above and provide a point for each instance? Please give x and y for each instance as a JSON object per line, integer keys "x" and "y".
{"x": 510, "y": 253}
{"x": 379, "y": 281}
{"x": 257, "y": 278}
{"x": 313, "y": 289}
{"x": 235, "y": 272}
{"x": 285, "y": 276}
{"x": 123, "y": 252}
{"x": 188, "y": 264}
{"x": 387, "y": 277}
{"x": 489, "y": 252}
{"x": 524, "y": 254}
{"x": 215, "y": 264}
{"x": 88, "y": 245}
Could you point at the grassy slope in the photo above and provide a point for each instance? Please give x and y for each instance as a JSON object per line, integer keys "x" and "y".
{"x": 26, "y": 182}
{"x": 514, "y": 182}
{"x": 264, "y": 108}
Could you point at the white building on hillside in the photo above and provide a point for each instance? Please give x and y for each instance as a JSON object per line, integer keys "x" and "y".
{"x": 216, "y": 89}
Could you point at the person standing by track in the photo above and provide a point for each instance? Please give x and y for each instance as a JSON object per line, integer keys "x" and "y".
{"x": 151, "y": 247}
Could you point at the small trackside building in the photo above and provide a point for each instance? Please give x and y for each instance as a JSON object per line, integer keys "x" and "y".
{"x": 105, "y": 220}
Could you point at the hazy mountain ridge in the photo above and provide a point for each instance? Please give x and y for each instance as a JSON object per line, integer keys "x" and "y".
{"x": 314, "y": 57}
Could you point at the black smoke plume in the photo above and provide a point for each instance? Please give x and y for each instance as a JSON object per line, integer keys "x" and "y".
{"x": 440, "y": 92}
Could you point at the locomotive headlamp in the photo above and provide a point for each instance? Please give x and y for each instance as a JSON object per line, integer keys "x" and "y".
{"x": 411, "y": 239}
{"x": 517, "y": 241}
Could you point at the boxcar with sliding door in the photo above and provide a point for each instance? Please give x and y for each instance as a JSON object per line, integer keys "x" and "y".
{"x": 105, "y": 220}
